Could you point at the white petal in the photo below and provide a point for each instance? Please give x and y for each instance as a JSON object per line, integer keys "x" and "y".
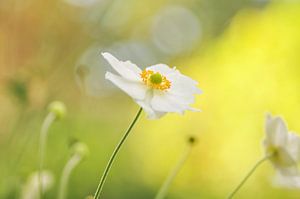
{"x": 293, "y": 146}
{"x": 292, "y": 182}
{"x": 184, "y": 97}
{"x": 126, "y": 69}
{"x": 288, "y": 171}
{"x": 151, "y": 114}
{"x": 193, "y": 109}
{"x": 134, "y": 89}
{"x": 269, "y": 130}
{"x": 268, "y": 123}
{"x": 276, "y": 131}
{"x": 164, "y": 102}
{"x": 283, "y": 161}
{"x": 182, "y": 85}
{"x": 184, "y": 101}
{"x": 187, "y": 79}
{"x": 145, "y": 104}
{"x": 162, "y": 68}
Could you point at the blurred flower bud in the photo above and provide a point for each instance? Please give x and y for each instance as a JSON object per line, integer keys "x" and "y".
{"x": 89, "y": 197}
{"x": 31, "y": 188}
{"x": 192, "y": 140}
{"x": 58, "y": 109}
{"x": 80, "y": 149}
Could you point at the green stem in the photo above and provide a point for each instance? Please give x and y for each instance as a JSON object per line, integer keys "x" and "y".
{"x": 42, "y": 147}
{"x": 115, "y": 152}
{"x": 165, "y": 186}
{"x": 71, "y": 164}
{"x": 248, "y": 175}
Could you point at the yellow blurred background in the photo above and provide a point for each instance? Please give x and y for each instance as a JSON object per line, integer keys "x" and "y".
{"x": 244, "y": 54}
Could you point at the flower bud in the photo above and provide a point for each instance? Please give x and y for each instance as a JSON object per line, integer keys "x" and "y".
{"x": 31, "y": 187}
{"x": 80, "y": 149}
{"x": 58, "y": 109}
{"x": 192, "y": 140}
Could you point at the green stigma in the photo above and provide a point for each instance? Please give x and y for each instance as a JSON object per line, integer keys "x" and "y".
{"x": 156, "y": 78}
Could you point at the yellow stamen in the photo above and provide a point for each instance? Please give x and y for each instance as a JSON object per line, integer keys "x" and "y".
{"x": 155, "y": 80}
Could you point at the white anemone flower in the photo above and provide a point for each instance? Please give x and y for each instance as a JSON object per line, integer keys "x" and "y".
{"x": 158, "y": 89}
{"x": 283, "y": 146}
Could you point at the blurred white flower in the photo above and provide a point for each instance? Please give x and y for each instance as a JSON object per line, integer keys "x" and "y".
{"x": 283, "y": 146}
{"x": 290, "y": 182}
{"x": 158, "y": 89}
{"x": 31, "y": 188}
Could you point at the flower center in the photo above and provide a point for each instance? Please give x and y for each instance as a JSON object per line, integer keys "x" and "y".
{"x": 155, "y": 80}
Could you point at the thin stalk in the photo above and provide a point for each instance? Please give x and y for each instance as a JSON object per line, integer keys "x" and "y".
{"x": 114, "y": 154}
{"x": 248, "y": 175}
{"x": 173, "y": 173}
{"x": 71, "y": 164}
{"x": 42, "y": 147}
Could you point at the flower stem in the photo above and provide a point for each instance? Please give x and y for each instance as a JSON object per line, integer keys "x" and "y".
{"x": 71, "y": 164}
{"x": 165, "y": 186}
{"x": 248, "y": 175}
{"x": 115, "y": 152}
{"x": 42, "y": 147}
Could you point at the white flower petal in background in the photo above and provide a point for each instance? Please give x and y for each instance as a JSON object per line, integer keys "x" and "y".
{"x": 151, "y": 87}
{"x": 281, "y": 145}
{"x": 276, "y": 131}
{"x": 290, "y": 182}
{"x": 31, "y": 188}
{"x": 293, "y": 145}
